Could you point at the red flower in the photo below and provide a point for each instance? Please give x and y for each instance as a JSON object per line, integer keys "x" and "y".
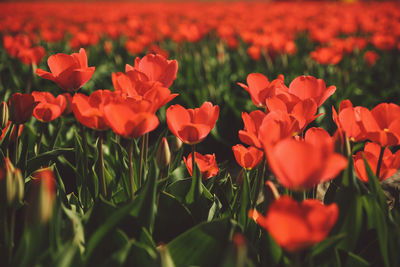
{"x": 382, "y": 124}
{"x": 156, "y": 68}
{"x": 21, "y": 107}
{"x": 89, "y": 110}
{"x": 252, "y": 123}
{"x": 312, "y": 219}
{"x": 192, "y": 126}
{"x": 32, "y": 55}
{"x": 306, "y": 87}
{"x": 302, "y": 164}
{"x": 247, "y": 158}
{"x": 130, "y": 119}
{"x": 327, "y": 55}
{"x": 260, "y": 88}
{"x": 349, "y": 120}
{"x": 206, "y": 163}
{"x": 13, "y": 134}
{"x": 370, "y": 57}
{"x": 49, "y": 107}
{"x": 390, "y": 162}
{"x": 69, "y": 72}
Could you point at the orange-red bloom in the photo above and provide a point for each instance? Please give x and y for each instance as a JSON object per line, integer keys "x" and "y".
{"x": 247, "y": 158}
{"x": 21, "y": 107}
{"x": 305, "y": 87}
{"x": 390, "y": 162}
{"x": 89, "y": 110}
{"x": 49, "y": 107}
{"x": 260, "y": 88}
{"x": 206, "y": 163}
{"x": 69, "y": 72}
{"x": 370, "y": 57}
{"x": 156, "y": 68}
{"x": 192, "y": 126}
{"x": 302, "y": 164}
{"x": 382, "y": 124}
{"x": 252, "y": 123}
{"x": 297, "y": 226}
{"x": 130, "y": 119}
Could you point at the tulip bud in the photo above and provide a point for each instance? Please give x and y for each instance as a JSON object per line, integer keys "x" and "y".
{"x": 176, "y": 144}
{"x": 4, "y": 115}
{"x": 12, "y": 184}
{"x": 163, "y": 155}
{"x": 41, "y": 196}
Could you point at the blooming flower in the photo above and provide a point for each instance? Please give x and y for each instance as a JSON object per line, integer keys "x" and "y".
{"x": 206, "y": 163}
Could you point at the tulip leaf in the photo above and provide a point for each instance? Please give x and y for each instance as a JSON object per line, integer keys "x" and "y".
{"x": 374, "y": 186}
{"x": 245, "y": 202}
{"x": 196, "y": 188}
{"x": 202, "y": 245}
{"x": 172, "y": 218}
{"x": 44, "y": 158}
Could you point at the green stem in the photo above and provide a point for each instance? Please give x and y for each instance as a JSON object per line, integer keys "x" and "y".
{"x": 259, "y": 181}
{"x": 16, "y": 144}
{"x": 193, "y": 159}
{"x": 141, "y": 159}
{"x": 85, "y": 156}
{"x": 57, "y": 133}
{"x": 11, "y": 235}
{"x": 378, "y": 168}
{"x": 39, "y": 140}
{"x": 131, "y": 178}
{"x": 101, "y": 165}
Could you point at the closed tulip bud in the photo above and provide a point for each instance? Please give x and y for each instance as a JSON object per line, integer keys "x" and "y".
{"x": 4, "y": 115}
{"x": 41, "y": 197}
{"x": 163, "y": 155}
{"x": 12, "y": 184}
{"x": 176, "y": 144}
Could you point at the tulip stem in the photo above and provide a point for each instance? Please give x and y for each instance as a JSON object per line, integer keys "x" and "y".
{"x": 16, "y": 144}
{"x": 101, "y": 165}
{"x": 131, "y": 178}
{"x": 85, "y": 157}
{"x": 378, "y": 168}
{"x": 193, "y": 159}
{"x": 141, "y": 159}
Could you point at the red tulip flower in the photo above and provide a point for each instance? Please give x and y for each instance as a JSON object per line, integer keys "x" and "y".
{"x": 260, "y": 88}
{"x": 349, "y": 120}
{"x": 21, "y": 107}
{"x": 89, "y": 110}
{"x": 206, "y": 163}
{"x": 305, "y": 87}
{"x": 130, "y": 119}
{"x": 252, "y": 123}
{"x": 302, "y": 164}
{"x": 192, "y": 126}
{"x": 382, "y": 124}
{"x": 247, "y": 158}
{"x": 297, "y": 226}
{"x": 69, "y": 72}
{"x": 327, "y": 55}
{"x": 370, "y": 57}
{"x": 49, "y": 107}
{"x": 156, "y": 68}
{"x": 390, "y": 162}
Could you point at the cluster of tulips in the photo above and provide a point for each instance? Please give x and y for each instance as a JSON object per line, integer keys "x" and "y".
{"x": 124, "y": 176}
{"x": 269, "y": 34}
{"x": 300, "y": 157}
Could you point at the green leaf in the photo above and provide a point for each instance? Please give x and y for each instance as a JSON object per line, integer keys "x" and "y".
{"x": 195, "y": 189}
{"x": 202, "y": 245}
{"x": 245, "y": 201}
{"x": 374, "y": 186}
{"x": 44, "y": 158}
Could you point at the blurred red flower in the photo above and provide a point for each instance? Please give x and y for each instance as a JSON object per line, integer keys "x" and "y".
{"x": 370, "y": 57}
{"x": 313, "y": 221}
{"x": 21, "y": 107}
{"x": 390, "y": 162}
{"x": 49, "y": 107}
{"x": 69, "y": 72}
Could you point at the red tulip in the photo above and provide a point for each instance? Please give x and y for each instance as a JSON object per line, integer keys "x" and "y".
{"x": 192, "y": 126}
{"x": 130, "y": 119}
{"x": 49, "y": 107}
{"x": 370, "y": 57}
{"x": 252, "y": 123}
{"x": 327, "y": 55}
{"x": 69, "y": 72}
{"x": 156, "y": 68}
{"x": 305, "y": 87}
{"x": 13, "y": 134}
{"x": 89, "y": 110}
{"x": 21, "y": 107}
{"x": 311, "y": 218}
{"x": 382, "y": 124}
{"x": 31, "y": 55}
{"x": 247, "y": 158}
{"x": 390, "y": 162}
{"x": 302, "y": 164}
{"x": 260, "y": 88}
{"x": 206, "y": 163}
{"x": 349, "y": 121}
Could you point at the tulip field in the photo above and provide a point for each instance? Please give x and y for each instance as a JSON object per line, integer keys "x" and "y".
{"x": 200, "y": 134}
